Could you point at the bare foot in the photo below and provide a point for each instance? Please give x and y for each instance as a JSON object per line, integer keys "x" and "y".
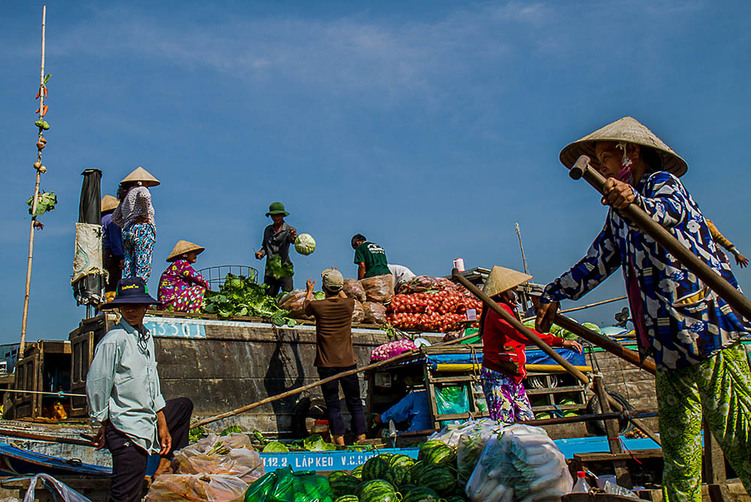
{"x": 338, "y": 440}
{"x": 164, "y": 467}
{"x": 360, "y": 437}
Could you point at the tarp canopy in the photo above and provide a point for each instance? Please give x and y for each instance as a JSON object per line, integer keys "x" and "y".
{"x": 88, "y": 275}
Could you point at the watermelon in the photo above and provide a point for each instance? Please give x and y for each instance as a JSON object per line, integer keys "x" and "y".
{"x": 438, "y": 477}
{"x": 397, "y": 475}
{"x": 456, "y": 498}
{"x": 421, "y": 494}
{"x": 415, "y": 470}
{"x": 436, "y": 452}
{"x": 344, "y": 485}
{"x": 401, "y": 460}
{"x": 375, "y": 468}
{"x": 357, "y": 472}
{"x": 337, "y": 474}
{"x": 347, "y": 498}
{"x": 377, "y": 490}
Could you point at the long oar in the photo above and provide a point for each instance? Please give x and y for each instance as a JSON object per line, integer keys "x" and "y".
{"x": 604, "y": 342}
{"x": 517, "y": 324}
{"x": 634, "y": 213}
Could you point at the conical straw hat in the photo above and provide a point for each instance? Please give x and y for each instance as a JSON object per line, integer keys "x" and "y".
{"x": 502, "y": 279}
{"x": 109, "y": 203}
{"x": 183, "y": 247}
{"x": 629, "y": 130}
{"x": 141, "y": 174}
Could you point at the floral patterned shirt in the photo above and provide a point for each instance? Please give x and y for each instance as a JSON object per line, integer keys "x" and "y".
{"x": 683, "y": 322}
{"x": 179, "y": 276}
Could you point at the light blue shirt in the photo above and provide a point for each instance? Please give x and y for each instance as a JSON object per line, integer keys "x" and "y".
{"x": 123, "y": 385}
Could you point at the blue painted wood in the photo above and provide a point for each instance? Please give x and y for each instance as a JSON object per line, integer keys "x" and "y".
{"x": 15, "y": 461}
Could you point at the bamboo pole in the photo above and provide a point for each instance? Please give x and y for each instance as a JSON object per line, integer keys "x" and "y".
{"x": 521, "y": 247}
{"x": 45, "y": 437}
{"x": 596, "y": 304}
{"x": 27, "y": 293}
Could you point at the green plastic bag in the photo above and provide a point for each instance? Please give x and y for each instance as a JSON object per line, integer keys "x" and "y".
{"x": 284, "y": 485}
{"x": 452, "y": 400}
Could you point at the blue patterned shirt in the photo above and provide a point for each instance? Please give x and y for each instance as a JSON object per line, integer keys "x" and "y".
{"x": 683, "y": 321}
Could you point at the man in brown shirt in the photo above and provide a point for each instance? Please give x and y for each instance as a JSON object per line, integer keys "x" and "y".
{"x": 334, "y": 352}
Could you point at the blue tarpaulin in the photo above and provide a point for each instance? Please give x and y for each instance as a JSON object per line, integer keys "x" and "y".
{"x": 533, "y": 357}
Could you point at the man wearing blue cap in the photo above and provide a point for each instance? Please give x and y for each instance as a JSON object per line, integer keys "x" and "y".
{"x": 124, "y": 394}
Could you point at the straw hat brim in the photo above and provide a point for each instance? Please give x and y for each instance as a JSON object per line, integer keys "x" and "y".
{"x": 628, "y": 130}
{"x": 183, "y": 247}
{"x": 502, "y": 279}
{"x": 142, "y": 175}
{"x": 109, "y": 203}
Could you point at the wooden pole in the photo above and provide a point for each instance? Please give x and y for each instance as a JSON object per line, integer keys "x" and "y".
{"x": 45, "y": 437}
{"x": 27, "y": 294}
{"x": 596, "y": 304}
{"x": 521, "y": 247}
{"x": 271, "y": 399}
{"x": 517, "y": 324}
{"x": 636, "y": 215}
{"x": 604, "y": 342}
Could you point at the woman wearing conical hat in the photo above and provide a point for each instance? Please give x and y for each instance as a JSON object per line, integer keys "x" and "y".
{"x": 692, "y": 334}
{"x": 135, "y": 215}
{"x": 503, "y": 353}
{"x": 181, "y": 288}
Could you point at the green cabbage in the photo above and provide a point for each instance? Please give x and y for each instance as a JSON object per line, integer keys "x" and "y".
{"x": 275, "y": 447}
{"x": 305, "y": 244}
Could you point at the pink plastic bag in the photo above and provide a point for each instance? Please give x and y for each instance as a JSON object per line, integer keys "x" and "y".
{"x": 392, "y": 349}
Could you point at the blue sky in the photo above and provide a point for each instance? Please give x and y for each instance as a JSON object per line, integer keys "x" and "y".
{"x": 429, "y": 126}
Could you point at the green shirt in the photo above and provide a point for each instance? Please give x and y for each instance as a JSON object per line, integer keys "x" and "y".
{"x": 374, "y": 258}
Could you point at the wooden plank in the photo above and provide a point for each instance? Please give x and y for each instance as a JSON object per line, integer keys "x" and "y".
{"x": 605, "y": 457}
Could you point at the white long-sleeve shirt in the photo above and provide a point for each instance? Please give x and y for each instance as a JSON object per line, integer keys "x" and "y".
{"x": 123, "y": 385}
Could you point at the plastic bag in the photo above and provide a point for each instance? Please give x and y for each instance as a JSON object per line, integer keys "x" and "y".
{"x": 379, "y": 288}
{"x": 425, "y": 283}
{"x": 55, "y": 487}
{"x": 231, "y": 455}
{"x": 353, "y": 289}
{"x": 374, "y": 312}
{"x": 294, "y": 301}
{"x": 284, "y": 485}
{"x": 197, "y": 487}
{"x": 392, "y": 349}
{"x": 358, "y": 315}
{"x": 471, "y": 443}
{"x": 452, "y": 399}
{"x": 520, "y": 463}
{"x": 451, "y": 433}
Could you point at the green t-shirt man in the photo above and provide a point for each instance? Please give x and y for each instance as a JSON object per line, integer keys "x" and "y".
{"x": 374, "y": 258}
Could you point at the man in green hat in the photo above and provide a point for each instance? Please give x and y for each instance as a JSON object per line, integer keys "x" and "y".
{"x": 276, "y": 240}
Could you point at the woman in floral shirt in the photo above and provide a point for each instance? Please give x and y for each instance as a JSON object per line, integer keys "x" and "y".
{"x": 181, "y": 289}
{"x": 692, "y": 334}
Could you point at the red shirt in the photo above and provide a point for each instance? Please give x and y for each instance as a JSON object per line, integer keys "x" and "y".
{"x": 503, "y": 344}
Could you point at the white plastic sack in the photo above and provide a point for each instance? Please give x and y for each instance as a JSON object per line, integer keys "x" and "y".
{"x": 471, "y": 444}
{"x": 197, "y": 488}
{"x": 520, "y": 464}
{"x": 451, "y": 433}
{"x": 88, "y": 256}
{"x": 55, "y": 487}
{"x": 231, "y": 455}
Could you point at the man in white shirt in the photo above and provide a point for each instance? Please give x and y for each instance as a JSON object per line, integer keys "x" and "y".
{"x": 124, "y": 394}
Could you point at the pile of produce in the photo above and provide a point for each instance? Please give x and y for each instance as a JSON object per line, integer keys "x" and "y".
{"x": 390, "y": 478}
{"x": 432, "y": 304}
{"x": 242, "y": 296}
